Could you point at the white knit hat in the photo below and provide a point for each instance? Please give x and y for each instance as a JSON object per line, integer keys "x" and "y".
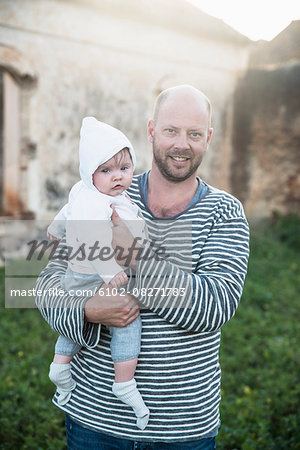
{"x": 98, "y": 143}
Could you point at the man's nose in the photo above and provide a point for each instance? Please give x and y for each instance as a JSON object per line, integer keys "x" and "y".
{"x": 182, "y": 141}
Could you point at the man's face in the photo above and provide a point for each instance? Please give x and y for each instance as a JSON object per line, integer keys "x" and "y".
{"x": 115, "y": 175}
{"x": 180, "y": 137}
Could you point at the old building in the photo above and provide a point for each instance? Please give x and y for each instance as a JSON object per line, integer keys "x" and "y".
{"x": 63, "y": 60}
{"x": 265, "y": 171}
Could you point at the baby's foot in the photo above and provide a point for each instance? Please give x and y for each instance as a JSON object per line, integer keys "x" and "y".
{"x": 128, "y": 393}
{"x": 60, "y": 375}
{"x": 142, "y": 422}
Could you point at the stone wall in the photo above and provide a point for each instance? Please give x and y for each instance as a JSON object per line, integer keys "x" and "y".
{"x": 265, "y": 166}
{"x": 109, "y": 59}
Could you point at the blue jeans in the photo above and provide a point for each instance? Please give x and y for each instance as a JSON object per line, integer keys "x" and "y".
{"x": 80, "y": 438}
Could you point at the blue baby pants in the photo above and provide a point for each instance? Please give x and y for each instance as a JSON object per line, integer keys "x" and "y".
{"x": 125, "y": 342}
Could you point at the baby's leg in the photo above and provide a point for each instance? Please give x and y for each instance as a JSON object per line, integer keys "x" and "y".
{"x": 62, "y": 359}
{"x": 125, "y": 370}
{"x": 125, "y": 347}
{"x": 60, "y": 368}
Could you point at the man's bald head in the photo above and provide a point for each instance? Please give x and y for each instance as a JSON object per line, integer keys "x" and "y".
{"x": 186, "y": 92}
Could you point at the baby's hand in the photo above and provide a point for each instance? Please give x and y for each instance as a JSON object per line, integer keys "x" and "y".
{"x": 119, "y": 280}
{"x": 52, "y": 238}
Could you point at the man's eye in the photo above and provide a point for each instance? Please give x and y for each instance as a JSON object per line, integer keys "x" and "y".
{"x": 195, "y": 135}
{"x": 170, "y": 130}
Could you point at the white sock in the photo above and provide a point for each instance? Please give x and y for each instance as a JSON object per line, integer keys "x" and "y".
{"x": 60, "y": 375}
{"x": 128, "y": 393}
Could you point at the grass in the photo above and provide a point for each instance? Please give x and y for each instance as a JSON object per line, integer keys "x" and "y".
{"x": 260, "y": 347}
{"x": 259, "y": 357}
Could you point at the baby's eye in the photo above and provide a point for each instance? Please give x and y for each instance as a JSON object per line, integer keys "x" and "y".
{"x": 105, "y": 170}
{"x": 124, "y": 168}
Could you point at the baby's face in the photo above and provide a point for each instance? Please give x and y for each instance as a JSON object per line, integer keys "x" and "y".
{"x": 115, "y": 175}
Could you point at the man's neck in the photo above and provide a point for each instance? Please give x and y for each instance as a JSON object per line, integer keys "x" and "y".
{"x": 167, "y": 198}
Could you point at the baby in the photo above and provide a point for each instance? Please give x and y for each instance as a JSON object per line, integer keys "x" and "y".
{"x": 107, "y": 161}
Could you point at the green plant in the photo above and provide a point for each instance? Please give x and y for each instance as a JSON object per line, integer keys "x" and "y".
{"x": 260, "y": 351}
{"x": 28, "y": 419}
{"x": 259, "y": 357}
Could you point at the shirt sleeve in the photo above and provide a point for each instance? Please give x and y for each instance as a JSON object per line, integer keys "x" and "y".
{"x": 207, "y": 298}
{"x": 64, "y": 313}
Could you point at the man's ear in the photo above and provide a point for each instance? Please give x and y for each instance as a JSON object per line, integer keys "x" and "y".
{"x": 209, "y": 136}
{"x": 150, "y": 128}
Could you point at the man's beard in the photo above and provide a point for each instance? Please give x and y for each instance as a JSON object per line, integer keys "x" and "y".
{"x": 170, "y": 173}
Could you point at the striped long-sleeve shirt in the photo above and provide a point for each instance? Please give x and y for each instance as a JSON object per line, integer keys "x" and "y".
{"x": 186, "y": 295}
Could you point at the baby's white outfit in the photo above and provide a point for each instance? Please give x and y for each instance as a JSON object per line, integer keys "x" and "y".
{"x": 86, "y": 221}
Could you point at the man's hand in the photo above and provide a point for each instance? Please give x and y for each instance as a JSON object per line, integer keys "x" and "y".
{"x": 111, "y": 310}
{"x": 124, "y": 244}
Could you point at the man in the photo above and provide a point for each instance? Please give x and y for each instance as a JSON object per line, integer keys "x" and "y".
{"x": 185, "y": 296}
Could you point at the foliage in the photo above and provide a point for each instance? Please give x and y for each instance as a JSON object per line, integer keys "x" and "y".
{"x": 28, "y": 419}
{"x": 259, "y": 358}
{"x": 287, "y": 229}
{"x": 260, "y": 354}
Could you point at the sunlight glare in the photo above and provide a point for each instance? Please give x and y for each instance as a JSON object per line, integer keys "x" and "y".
{"x": 257, "y": 19}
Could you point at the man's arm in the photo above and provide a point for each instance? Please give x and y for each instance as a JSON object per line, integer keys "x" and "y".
{"x": 203, "y": 300}
{"x": 79, "y": 318}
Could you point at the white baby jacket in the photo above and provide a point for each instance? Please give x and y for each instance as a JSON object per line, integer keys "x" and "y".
{"x": 86, "y": 218}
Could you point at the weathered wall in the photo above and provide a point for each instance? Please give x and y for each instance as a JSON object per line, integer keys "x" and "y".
{"x": 265, "y": 172}
{"x": 110, "y": 61}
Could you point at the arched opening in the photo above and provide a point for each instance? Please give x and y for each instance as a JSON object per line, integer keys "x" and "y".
{"x": 15, "y": 83}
